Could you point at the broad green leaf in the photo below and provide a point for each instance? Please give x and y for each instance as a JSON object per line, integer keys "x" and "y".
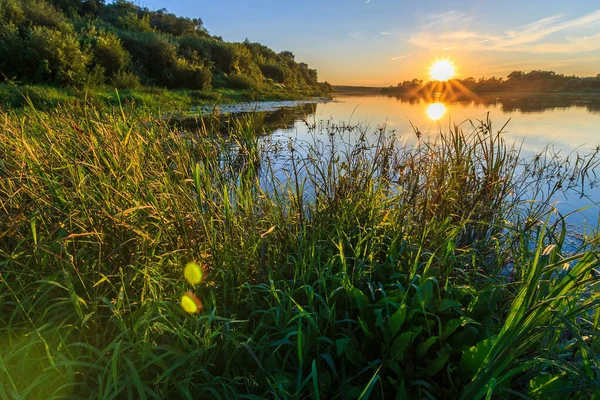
{"x": 402, "y": 393}
{"x": 400, "y": 344}
{"x": 340, "y": 345}
{"x": 434, "y": 366}
{"x": 423, "y": 347}
{"x": 454, "y": 324}
{"x": 472, "y": 359}
{"x": 397, "y": 319}
{"x": 546, "y": 386}
{"x": 447, "y": 303}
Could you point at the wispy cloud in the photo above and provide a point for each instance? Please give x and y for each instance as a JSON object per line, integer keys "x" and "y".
{"x": 446, "y": 18}
{"x": 356, "y": 35}
{"x": 362, "y": 35}
{"x": 525, "y": 38}
{"x": 401, "y": 57}
{"x": 367, "y": 2}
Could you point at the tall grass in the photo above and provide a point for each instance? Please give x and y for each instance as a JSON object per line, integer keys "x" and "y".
{"x": 353, "y": 269}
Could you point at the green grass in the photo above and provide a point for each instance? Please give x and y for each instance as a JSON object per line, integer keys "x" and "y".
{"x": 154, "y": 98}
{"x": 360, "y": 270}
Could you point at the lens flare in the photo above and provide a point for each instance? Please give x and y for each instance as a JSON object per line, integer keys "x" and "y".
{"x": 436, "y": 111}
{"x": 442, "y": 70}
{"x": 193, "y": 273}
{"x": 190, "y": 303}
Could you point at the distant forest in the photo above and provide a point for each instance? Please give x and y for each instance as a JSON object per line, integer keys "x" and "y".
{"x": 517, "y": 81}
{"x": 86, "y": 43}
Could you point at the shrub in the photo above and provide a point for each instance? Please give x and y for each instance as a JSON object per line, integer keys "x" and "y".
{"x": 42, "y": 13}
{"x": 186, "y": 75}
{"x": 241, "y": 82}
{"x": 60, "y": 58}
{"x": 11, "y": 12}
{"x": 154, "y": 51}
{"x": 125, "y": 80}
{"x": 110, "y": 54}
{"x": 276, "y": 72}
{"x": 131, "y": 21}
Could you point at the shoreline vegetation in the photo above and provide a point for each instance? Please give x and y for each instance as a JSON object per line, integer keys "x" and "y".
{"x": 152, "y": 98}
{"x": 143, "y": 258}
{"x": 354, "y": 270}
{"x": 65, "y": 49}
{"x": 538, "y": 82}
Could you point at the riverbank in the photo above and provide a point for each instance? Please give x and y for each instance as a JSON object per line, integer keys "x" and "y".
{"x": 49, "y": 97}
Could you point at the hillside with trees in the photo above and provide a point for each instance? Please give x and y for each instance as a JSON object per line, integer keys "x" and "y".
{"x": 74, "y": 43}
{"x": 517, "y": 81}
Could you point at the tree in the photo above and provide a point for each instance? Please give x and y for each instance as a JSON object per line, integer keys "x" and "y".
{"x": 61, "y": 60}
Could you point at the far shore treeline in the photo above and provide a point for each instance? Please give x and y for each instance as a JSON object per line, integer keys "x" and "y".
{"x": 74, "y": 43}
{"x": 517, "y": 81}
{"x": 535, "y": 81}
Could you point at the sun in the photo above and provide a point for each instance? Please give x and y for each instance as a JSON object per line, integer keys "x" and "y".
{"x": 442, "y": 70}
{"x": 436, "y": 111}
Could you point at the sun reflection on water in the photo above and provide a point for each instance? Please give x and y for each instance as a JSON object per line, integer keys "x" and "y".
{"x": 436, "y": 111}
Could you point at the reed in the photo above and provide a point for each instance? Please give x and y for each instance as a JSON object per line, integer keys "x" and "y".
{"x": 348, "y": 267}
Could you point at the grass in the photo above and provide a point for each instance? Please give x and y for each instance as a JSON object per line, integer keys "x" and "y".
{"x": 154, "y": 98}
{"x": 354, "y": 269}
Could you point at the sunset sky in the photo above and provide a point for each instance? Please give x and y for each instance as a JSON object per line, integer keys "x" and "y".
{"x": 382, "y": 42}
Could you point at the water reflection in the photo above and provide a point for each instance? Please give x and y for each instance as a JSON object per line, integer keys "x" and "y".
{"x": 436, "y": 111}
{"x": 565, "y": 124}
{"x": 263, "y": 123}
{"x": 516, "y": 102}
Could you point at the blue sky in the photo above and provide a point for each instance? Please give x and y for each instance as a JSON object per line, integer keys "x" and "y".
{"x": 382, "y": 42}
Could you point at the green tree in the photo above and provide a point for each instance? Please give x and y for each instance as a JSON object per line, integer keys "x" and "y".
{"x": 110, "y": 54}
{"x": 61, "y": 60}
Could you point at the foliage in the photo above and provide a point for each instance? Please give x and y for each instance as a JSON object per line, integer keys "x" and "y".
{"x": 125, "y": 80}
{"x": 61, "y": 59}
{"x": 110, "y": 54}
{"x": 516, "y": 81}
{"x": 157, "y": 46}
{"x": 345, "y": 270}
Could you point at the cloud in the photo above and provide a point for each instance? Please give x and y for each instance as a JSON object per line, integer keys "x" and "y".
{"x": 401, "y": 57}
{"x": 367, "y": 2}
{"x": 356, "y": 35}
{"x": 446, "y": 18}
{"x": 525, "y": 38}
{"x": 362, "y": 35}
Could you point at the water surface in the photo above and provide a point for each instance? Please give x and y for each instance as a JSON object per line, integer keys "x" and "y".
{"x": 568, "y": 124}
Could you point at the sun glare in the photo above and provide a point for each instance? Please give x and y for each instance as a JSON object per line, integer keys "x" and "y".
{"x": 442, "y": 70}
{"x": 436, "y": 111}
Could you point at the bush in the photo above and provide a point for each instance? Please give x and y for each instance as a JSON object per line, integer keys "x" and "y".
{"x": 61, "y": 60}
{"x": 276, "y": 72}
{"x": 41, "y": 13}
{"x": 125, "y": 80}
{"x": 110, "y": 54}
{"x": 190, "y": 76}
{"x": 132, "y": 22}
{"x": 11, "y": 12}
{"x": 240, "y": 82}
{"x": 154, "y": 51}
{"x": 195, "y": 48}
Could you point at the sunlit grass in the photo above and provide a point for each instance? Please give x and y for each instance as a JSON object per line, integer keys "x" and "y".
{"x": 355, "y": 269}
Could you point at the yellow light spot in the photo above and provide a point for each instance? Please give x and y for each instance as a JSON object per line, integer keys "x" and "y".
{"x": 190, "y": 303}
{"x": 436, "y": 111}
{"x": 193, "y": 273}
{"x": 442, "y": 70}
